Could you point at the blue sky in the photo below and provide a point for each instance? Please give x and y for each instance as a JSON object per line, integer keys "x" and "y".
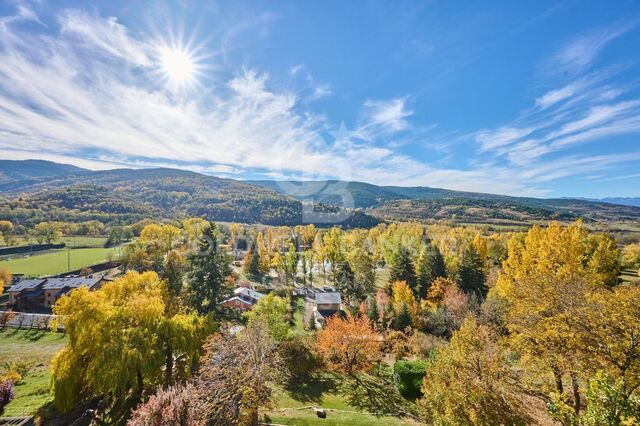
{"x": 522, "y": 98}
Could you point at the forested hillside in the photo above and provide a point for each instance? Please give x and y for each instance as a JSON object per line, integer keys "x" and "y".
{"x": 124, "y": 196}
{"x": 422, "y": 203}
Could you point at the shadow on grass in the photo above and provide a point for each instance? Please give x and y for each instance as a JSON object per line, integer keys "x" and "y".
{"x": 32, "y": 335}
{"x": 311, "y": 391}
{"x": 375, "y": 394}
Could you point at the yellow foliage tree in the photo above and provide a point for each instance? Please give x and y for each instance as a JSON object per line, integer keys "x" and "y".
{"x": 402, "y": 295}
{"x": 469, "y": 382}
{"x": 545, "y": 279}
{"x": 120, "y": 338}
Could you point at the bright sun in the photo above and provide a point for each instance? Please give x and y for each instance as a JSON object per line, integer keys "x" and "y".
{"x": 177, "y": 65}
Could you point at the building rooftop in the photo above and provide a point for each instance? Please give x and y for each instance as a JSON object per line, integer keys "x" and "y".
{"x": 74, "y": 282}
{"x": 328, "y": 298}
{"x": 26, "y": 284}
{"x": 55, "y": 283}
{"x": 244, "y": 291}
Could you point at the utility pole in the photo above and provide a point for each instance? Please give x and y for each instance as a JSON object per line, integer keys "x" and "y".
{"x": 68, "y": 259}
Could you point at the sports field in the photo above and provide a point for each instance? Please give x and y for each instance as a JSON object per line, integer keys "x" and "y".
{"x": 58, "y": 261}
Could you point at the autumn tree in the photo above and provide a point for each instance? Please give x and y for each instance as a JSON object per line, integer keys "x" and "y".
{"x": 402, "y": 269}
{"x": 290, "y": 264}
{"x": 469, "y": 382}
{"x": 119, "y": 338}
{"x": 546, "y": 281}
{"x": 174, "y": 406}
{"x": 161, "y": 237}
{"x": 173, "y": 269}
{"x": 429, "y": 266}
{"x": 5, "y": 279}
{"x": 263, "y": 254}
{"x": 348, "y": 344}
{"x": 333, "y": 250}
{"x": 361, "y": 264}
{"x": 606, "y": 334}
{"x": 210, "y": 267}
{"x": 47, "y": 232}
{"x": 251, "y": 263}
{"x": 237, "y": 376}
{"x": 6, "y": 231}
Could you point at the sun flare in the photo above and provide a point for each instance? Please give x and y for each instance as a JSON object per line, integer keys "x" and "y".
{"x": 178, "y": 65}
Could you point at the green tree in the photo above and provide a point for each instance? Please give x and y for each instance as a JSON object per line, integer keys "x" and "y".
{"x": 403, "y": 319}
{"x": 252, "y": 263}
{"x": 6, "y": 230}
{"x": 402, "y": 269}
{"x": 272, "y": 311}
{"x": 372, "y": 311}
{"x": 210, "y": 267}
{"x": 429, "y": 266}
{"x": 290, "y": 264}
{"x": 471, "y": 277}
{"x": 173, "y": 268}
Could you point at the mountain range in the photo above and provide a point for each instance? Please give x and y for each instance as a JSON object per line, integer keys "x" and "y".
{"x": 35, "y": 190}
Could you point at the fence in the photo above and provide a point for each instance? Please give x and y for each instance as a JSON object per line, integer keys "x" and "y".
{"x": 29, "y": 321}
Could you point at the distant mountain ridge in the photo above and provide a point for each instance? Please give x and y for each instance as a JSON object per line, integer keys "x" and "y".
{"x": 32, "y": 170}
{"x": 623, "y": 201}
{"x": 423, "y": 203}
{"x": 35, "y": 190}
{"x": 126, "y": 195}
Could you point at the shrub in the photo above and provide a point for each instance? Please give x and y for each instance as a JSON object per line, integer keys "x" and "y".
{"x": 408, "y": 376}
{"x": 7, "y": 393}
{"x": 11, "y": 376}
{"x": 173, "y": 406}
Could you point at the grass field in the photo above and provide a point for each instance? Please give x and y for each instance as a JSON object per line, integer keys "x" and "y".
{"x": 368, "y": 400}
{"x": 56, "y": 262}
{"x": 36, "y": 348}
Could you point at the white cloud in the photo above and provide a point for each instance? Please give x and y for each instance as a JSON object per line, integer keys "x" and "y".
{"x": 490, "y": 139}
{"x": 554, "y": 96}
{"x": 579, "y": 53}
{"x": 385, "y": 116}
{"x": 87, "y": 94}
{"x": 105, "y": 34}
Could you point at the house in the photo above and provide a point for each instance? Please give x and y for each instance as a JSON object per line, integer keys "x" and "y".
{"x": 323, "y": 306}
{"x": 243, "y": 299}
{"x": 35, "y": 294}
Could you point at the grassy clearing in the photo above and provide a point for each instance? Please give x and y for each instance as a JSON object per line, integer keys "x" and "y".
{"x": 298, "y": 318}
{"x": 367, "y": 400}
{"x": 56, "y": 262}
{"x": 36, "y": 348}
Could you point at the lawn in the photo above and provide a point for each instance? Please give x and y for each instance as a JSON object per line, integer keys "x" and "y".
{"x": 298, "y": 318}
{"x": 36, "y": 348}
{"x": 56, "y": 262}
{"x": 368, "y": 400}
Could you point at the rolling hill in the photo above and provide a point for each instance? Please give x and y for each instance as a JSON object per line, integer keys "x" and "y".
{"x": 32, "y": 191}
{"x": 425, "y": 203}
{"x": 30, "y": 171}
{"x": 127, "y": 195}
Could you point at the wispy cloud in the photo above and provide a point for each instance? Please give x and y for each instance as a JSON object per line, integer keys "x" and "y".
{"x": 582, "y": 51}
{"x": 385, "y": 116}
{"x": 87, "y": 92}
{"x": 107, "y": 110}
